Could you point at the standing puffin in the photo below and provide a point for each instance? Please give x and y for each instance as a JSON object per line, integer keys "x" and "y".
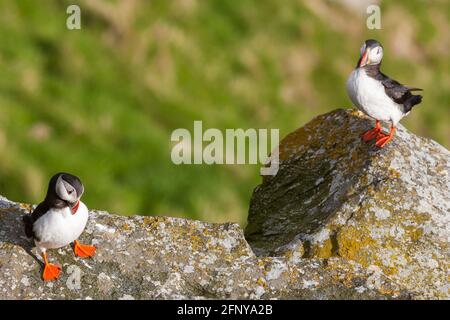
{"x": 377, "y": 95}
{"x": 59, "y": 220}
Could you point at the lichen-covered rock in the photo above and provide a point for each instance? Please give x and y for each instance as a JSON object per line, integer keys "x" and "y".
{"x": 336, "y": 196}
{"x": 340, "y": 220}
{"x": 171, "y": 258}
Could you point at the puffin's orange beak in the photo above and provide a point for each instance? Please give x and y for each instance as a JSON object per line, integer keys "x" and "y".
{"x": 364, "y": 59}
{"x": 75, "y": 207}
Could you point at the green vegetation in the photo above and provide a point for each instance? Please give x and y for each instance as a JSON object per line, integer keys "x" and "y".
{"x": 101, "y": 102}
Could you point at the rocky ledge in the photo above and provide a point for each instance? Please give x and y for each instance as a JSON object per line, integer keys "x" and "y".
{"x": 340, "y": 220}
{"x": 338, "y": 197}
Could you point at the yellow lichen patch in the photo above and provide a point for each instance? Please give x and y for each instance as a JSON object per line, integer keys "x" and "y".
{"x": 6, "y": 245}
{"x": 394, "y": 173}
{"x": 153, "y": 222}
{"x": 261, "y": 263}
{"x": 355, "y": 112}
{"x": 148, "y": 220}
{"x": 25, "y": 206}
{"x": 387, "y": 291}
{"x": 316, "y": 135}
{"x": 261, "y": 282}
{"x": 288, "y": 254}
{"x": 353, "y": 243}
{"x": 345, "y": 273}
{"x": 388, "y": 270}
{"x": 415, "y": 233}
{"x": 300, "y": 137}
{"x": 289, "y": 144}
{"x": 196, "y": 242}
{"x": 322, "y": 250}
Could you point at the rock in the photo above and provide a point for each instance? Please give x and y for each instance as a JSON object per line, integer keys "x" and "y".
{"x": 335, "y": 196}
{"x": 171, "y": 258}
{"x": 340, "y": 220}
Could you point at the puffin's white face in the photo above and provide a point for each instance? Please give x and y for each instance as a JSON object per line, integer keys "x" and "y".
{"x": 371, "y": 55}
{"x": 66, "y": 191}
{"x": 375, "y": 55}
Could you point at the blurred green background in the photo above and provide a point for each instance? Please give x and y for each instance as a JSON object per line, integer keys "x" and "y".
{"x": 101, "y": 102}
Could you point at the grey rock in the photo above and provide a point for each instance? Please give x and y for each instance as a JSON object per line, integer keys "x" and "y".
{"x": 171, "y": 258}
{"x": 338, "y": 197}
{"x": 340, "y": 220}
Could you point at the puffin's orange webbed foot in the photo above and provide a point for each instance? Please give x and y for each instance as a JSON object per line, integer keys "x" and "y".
{"x": 382, "y": 138}
{"x": 372, "y": 133}
{"x": 82, "y": 250}
{"x": 51, "y": 271}
{"x": 381, "y": 142}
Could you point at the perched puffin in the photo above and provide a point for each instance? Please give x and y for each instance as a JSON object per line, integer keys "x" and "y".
{"x": 59, "y": 220}
{"x": 377, "y": 95}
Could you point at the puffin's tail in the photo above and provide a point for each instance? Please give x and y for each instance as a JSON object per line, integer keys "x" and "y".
{"x": 412, "y": 101}
{"x": 28, "y": 223}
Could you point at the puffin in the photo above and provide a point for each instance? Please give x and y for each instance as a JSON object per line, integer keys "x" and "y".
{"x": 377, "y": 95}
{"x": 58, "y": 221}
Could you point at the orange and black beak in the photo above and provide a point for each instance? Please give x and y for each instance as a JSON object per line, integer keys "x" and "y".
{"x": 364, "y": 59}
{"x": 74, "y": 208}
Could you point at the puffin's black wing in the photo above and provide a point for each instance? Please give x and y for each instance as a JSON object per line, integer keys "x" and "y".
{"x": 29, "y": 219}
{"x": 399, "y": 93}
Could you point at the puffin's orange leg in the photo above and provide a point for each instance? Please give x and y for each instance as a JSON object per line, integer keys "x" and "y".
{"x": 82, "y": 250}
{"x": 383, "y": 139}
{"x": 372, "y": 133}
{"x": 51, "y": 271}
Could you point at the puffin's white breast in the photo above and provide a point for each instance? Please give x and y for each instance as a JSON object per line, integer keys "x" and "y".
{"x": 59, "y": 227}
{"x": 369, "y": 96}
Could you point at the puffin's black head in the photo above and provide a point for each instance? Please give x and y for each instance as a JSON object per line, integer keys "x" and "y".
{"x": 371, "y": 53}
{"x": 64, "y": 189}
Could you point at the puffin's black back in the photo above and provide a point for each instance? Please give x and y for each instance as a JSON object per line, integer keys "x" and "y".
{"x": 396, "y": 91}
{"x": 29, "y": 219}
